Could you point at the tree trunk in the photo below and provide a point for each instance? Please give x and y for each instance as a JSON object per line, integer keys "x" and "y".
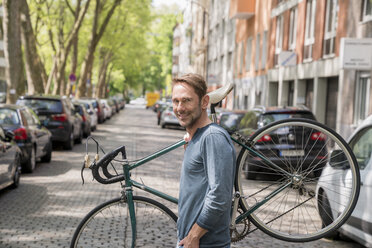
{"x": 95, "y": 38}
{"x": 102, "y": 75}
{"x": 35, "y": 71}
{"x": 64, "y": 50}
{"x": 12, "y": 49}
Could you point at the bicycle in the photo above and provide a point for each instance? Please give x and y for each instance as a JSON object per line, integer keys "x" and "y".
{"x": 277, "y": 188}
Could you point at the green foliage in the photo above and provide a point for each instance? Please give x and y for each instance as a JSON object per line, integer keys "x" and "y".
{"x": 139, "y": 37}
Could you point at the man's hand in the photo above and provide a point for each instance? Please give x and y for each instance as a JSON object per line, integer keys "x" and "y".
{"x": 192, "y": 239}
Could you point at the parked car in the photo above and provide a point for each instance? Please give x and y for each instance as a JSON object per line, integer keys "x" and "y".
{"x": 34, "y": 140}
{"x": 160, "y": 108}
{"x": 283, "y": 141}
{"x": 92, "y": 112}
{"x": 10, "y": 160}
{"x": 358, "y": 227}
{"x": 107, "y": 110}
{"x": 58, "y": 115}
{"x": 98, "y": 107}
{"x": 168, "y": 118}
{"x": 86, "y": 120}
{"x": 230, "y": 119}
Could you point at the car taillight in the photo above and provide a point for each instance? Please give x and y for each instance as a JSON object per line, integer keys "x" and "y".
{"x": 318, "y": 136}
{"x": 84, "y": 118}
{"x": 20, "y": 134}
{"x": 264, "y": 138}
{"x": 60, "y": 117}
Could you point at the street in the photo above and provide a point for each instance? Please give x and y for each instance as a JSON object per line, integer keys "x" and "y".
{"x": 49, "y": 203}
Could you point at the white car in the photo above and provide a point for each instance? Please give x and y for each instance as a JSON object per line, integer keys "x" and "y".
{"x": 106, "y": 109}
{"x": 359, "y": 225}
{"x": 92, "y": 113}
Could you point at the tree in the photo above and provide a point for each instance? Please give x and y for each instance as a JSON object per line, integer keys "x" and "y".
{"x": 13, "y": 50}
{"x": 35, "y": 71}
{"x": 96, "y": 35}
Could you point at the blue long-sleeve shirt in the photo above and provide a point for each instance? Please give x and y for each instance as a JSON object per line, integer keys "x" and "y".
{"x": 206, "y": 186}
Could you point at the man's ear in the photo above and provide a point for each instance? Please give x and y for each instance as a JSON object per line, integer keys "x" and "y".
{"x": 205, "y": 102}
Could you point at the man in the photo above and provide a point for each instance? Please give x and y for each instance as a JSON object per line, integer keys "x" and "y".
{"x": 208, "y": 169}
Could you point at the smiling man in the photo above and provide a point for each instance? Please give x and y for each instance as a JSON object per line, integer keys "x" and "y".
{"x": 208, "y": 169}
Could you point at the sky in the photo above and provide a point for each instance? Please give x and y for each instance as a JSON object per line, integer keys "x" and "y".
{"x": 181, "y": 3}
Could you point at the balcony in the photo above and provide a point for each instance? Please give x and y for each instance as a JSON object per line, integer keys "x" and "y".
{"x": 242, "y": 9}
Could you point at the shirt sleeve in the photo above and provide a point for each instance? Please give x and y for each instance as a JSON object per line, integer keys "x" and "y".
{"x": 219, "y": 162}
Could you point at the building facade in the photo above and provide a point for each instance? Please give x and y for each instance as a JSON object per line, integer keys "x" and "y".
{"x": 221, "y": 47}
{"x": 316, "y": 53}
{"x": 252, "y": 37}
{"x": 305, "y": 56}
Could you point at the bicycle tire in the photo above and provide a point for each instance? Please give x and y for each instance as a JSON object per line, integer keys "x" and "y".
{"x": 293, "y": 214}
{"x": 109, "y": 225}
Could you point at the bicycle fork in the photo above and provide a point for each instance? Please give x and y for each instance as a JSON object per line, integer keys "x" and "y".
{"x": 128, "y": 197}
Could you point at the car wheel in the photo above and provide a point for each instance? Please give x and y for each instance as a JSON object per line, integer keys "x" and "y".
{"x": 48, "y": 156}
{"x": 70, "y": 142}
{"x": 88, "y": 132}
{"x": 325, "y": 213}
{"x": 17, "y": 174}
{"x": 79, "y": 140}
{"x": 30, "y": 164}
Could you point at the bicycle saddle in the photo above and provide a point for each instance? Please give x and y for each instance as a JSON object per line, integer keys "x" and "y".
{"x": 217, "y": 95}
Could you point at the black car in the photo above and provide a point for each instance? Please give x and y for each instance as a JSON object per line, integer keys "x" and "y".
{"x": 86, "y": 123}
{"x": 10, "y": 160}
{"x": 33, "y": 139}
{"x": 58, "y": 115}
{"x": 283, "y": 142}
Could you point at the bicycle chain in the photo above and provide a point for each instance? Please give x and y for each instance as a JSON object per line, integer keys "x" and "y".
{"x": 237, "y": 235}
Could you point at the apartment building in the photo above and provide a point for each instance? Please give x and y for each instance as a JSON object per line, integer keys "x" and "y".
{"x": 307, "y": 54}
{"x": 315, "y": 53}
{"x": 190, "y": 40}
{"x": 221, "y": 47}
{"x": 252, "y": 40}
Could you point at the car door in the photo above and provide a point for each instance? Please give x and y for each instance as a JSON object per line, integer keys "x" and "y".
{"x": 361, "y": 218}
{"x": 7, "y": 156}
{"x": 40, "y": 133}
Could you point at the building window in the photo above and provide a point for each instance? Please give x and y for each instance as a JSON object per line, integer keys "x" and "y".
{"x": 257, "y": 49}
{"x": 330, "y": 27}
{"x": 292, "y": 29}
{"x": 309, "y": 29}
{"x": 366, "y": 11}
{"x": 361, "y": 97}
{"x": 278, "y": 38}
{"x": 241, "y": 57}
{"x": 264, "y": 50}
{"x": 248, "y": 54}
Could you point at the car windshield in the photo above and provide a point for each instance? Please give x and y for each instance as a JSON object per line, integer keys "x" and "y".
{"x": 268, "y": 118}
{"x": 8, "y": 117}
{"x": 42, "y": 105}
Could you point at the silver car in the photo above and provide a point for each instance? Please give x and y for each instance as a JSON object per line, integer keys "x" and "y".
{"x": 168, "y": 118}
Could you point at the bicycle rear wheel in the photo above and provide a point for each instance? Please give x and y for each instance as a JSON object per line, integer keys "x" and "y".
{"x": 317, "y": 196}
{"x": 109, "y": 225}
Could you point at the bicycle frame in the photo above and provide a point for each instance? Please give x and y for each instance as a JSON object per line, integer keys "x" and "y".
{"x": 129, "y": 183}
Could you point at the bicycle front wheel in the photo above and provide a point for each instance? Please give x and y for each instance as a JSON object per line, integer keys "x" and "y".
{"x": 305, "y": 177}
{"x": 109, "y": 225}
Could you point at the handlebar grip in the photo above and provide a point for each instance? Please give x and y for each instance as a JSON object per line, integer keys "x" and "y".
{"x": 103, "y": 163}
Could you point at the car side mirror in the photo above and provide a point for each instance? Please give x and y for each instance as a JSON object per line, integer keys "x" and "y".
{"x": 338, "y": 160}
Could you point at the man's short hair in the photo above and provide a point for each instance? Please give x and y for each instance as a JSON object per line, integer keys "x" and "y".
{"x": 196, "y": 81}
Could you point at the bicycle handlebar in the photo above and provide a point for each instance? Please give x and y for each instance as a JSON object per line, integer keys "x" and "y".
{"x": 103, "y": 163}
